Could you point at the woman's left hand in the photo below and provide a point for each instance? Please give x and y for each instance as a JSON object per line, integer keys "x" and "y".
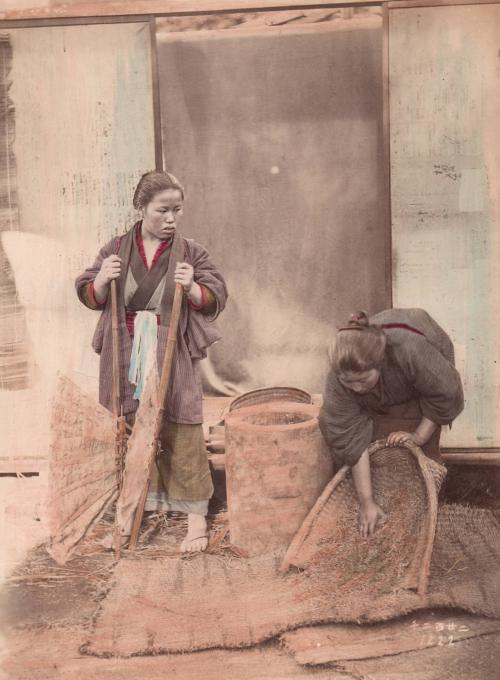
{"x": 398, "y": 438}
{"x": 184, "y": 274}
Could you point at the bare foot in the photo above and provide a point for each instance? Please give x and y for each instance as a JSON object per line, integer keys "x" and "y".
{"x": 196, "y": 538}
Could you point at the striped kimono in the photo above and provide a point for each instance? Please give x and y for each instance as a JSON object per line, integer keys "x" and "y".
{"x": 185, "y": 469}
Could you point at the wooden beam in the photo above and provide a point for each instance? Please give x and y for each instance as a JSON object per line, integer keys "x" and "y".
{"x": 121, "y": 8}
{"x": 155, "y": 79}
{"x": 386, "y": 141}
{"x": 405, "y": 4}
{"x": 90, "y": 11}
{"x": 6, "y": 24}
{"x": 23, "y": 466}
{"x": 39, "y": 465}
{"x": 472, "y": 458}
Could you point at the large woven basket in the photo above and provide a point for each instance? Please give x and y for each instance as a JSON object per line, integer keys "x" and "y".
{"x": 405, "y": 484}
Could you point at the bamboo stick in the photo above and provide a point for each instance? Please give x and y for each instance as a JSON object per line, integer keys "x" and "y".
{"x": 117, "y": 403}
{"x": 115, "y": 389}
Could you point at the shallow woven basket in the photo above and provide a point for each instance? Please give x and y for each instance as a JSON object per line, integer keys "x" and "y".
{"x": 405, "y": 484}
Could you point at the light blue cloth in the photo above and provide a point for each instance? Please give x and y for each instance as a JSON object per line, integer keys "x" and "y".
{"x": 143, "y": 355}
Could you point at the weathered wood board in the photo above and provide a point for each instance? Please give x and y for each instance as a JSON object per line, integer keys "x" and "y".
{"x": 445, "y": 152}
{"x": 40, "y": 9}
{"x": 83, "y": 135}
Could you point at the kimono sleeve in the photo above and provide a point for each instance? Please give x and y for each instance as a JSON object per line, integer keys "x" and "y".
{"x": 435, "y": 380}
{"x": 84, "y": 282}
{"x": 346, "y": 427}
{"x": 208, "y": 275}
{"x": 201, "y": 333}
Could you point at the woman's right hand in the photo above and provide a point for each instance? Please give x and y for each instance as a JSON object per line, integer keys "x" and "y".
{"x": 369, "y": 515}
{"x": 110, "y": 269}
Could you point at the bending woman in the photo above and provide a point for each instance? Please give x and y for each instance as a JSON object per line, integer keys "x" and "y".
{"x": 146, "y": 263}
{"x": 393, "y": 376}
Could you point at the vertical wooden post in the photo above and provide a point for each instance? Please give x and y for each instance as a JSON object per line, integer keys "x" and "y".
{"x": 386, "y": 137}
{"x": 155, "y": 83}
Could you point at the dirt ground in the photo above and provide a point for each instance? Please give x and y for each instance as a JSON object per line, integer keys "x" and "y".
{"x": 47, "y": 611}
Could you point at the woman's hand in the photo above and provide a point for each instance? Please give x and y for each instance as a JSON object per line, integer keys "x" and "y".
{"x": 369, "y": 514}
{"x": 400, "y": 437}
{"x": 184, "y": 274}
{"x": 413, "y": 438}
{"x": 110, "y": 269}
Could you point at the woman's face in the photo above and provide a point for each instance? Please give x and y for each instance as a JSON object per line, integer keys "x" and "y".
{"x": 161, "y": 215}
{"x": 361, "y": 383}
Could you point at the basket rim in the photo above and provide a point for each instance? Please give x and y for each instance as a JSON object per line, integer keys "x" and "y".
{"x": 237, "y": 418}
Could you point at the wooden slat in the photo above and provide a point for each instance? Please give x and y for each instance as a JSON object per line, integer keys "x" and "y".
{"x": 123, "y": 10}
{"x": 386, "y": 137}
{"x": 155, "y": 81}
{"x": 22, "y": 466}
{"x": 402, "y": 4}
{"x": 473, "y": 458}
{"x": 109, "y": 8}
{"x": 34, "y": 464}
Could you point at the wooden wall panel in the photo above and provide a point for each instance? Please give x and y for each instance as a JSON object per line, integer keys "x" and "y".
{"x": 84, "y": 134}
{"x": 445, "y": 149}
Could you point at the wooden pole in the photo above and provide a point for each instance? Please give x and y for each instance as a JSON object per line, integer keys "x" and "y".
{"x": 162, "y": 401}
{"x": 115, "y": 389}
{"x": 120, "y": 435}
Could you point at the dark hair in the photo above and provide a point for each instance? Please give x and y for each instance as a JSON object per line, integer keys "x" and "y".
{"x": 359, "y": 346}
{"x": 151, "y": 183}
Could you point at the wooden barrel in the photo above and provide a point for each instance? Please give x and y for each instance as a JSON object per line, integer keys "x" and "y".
{"x": 277, "y": 464}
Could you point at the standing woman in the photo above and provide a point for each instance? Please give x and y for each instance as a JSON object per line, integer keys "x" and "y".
{"x": 147, "y": 262}
{"x": 393, "y": 376}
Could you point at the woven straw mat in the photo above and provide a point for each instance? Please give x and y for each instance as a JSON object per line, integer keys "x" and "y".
{"x": 182, "y": 604}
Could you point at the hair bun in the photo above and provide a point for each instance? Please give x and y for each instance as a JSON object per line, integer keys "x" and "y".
{"x": 358, "y": 319}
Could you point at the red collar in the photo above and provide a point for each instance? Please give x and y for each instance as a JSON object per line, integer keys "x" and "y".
{"x": 402, "y": 325}
{"x": 140, "y": 247}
